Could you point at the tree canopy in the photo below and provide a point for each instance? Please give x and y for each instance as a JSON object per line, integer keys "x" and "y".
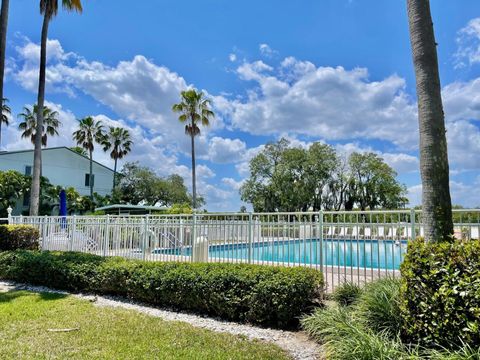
{"x": 285, "y": 178}
{"x": 141, "y": 185}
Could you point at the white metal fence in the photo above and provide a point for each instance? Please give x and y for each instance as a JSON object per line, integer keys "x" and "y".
{"x": 346, "y": 246}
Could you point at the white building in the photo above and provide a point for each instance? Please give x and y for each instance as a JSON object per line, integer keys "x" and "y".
{"x": 61, "y": 166}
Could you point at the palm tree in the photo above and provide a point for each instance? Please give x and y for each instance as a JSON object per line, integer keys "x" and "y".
{"x": 3, "y": 45}
{"x": 48, "y": 8}
{"x": 89, "y": 133}
{"x": 194, "y": 109}
{"x": 29, "y": 124}
{"x": 117, "y": 139}
{"x": 4, "y": 117}
{"x": 79, "y": 150}
{"x": 434, "y": 169}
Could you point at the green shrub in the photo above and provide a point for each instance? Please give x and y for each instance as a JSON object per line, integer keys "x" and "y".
{"x": 379, "y": 306}
{"x": 13, "y": 237}
{"x": 346, "y": 337}
{"x": 441, "y": 293}
{"x": 347, "y": 293}
{"x": 264, "y": 295}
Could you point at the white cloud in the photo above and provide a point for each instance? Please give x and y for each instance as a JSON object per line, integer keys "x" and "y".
{"x": 468, "y": 42}
{"x": 463, "y": 146}
{"x": 224, "y": 151}
{"x": 266, "y": 50}
{"x": 232, "y": 57}
{"x": 325, "y": 102}
{"x": 461, "y": 193}
{"x": 232, "y": 183}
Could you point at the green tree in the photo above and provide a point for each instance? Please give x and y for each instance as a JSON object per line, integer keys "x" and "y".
{"x": 283, "y": 178}
{"x": 118, "y": 140}
{"x": 79, "y": 150}
{"x": 3, "y": 45}
{"x": 259, "y": 189}
{"x": 374, "y": 183}
{"x": 29, "y": 124}
{"x": 140, "y": 184}
{"x": 194, "y": 109}
{"x": 89, "y": 132}
{"x": 49, "y": 9}
{"x": 5, "y": 112}
{"x": 13, "y": 185}
{"x": 434, "y": 168}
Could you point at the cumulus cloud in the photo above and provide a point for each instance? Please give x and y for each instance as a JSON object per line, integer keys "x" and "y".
{"x": 325, "y": 102}
{"x": 468, "y": 42}
{"x": 224, "y": 150}
{"x": 461, "y": 193}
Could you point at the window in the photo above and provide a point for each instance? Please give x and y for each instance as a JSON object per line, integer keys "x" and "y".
{"x": 87, "y": 180}
{"x": 28, "y": 170}
{"x": 26, "y": 199}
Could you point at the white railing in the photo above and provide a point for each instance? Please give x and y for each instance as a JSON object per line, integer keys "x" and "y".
{"x": 347, "y": 246}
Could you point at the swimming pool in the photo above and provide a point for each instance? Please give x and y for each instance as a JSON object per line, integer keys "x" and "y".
{"x": 374, "y": 254}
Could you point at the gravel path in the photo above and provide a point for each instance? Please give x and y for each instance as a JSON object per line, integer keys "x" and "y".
{"x": 296, "y": 343}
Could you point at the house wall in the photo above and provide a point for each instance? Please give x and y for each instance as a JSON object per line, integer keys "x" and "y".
{"x": 62, "y": 167}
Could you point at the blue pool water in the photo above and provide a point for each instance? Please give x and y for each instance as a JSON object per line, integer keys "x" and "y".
{"x": 375, "y": 254}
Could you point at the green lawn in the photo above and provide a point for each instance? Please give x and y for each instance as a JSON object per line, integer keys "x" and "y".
{"x": 106, "y": 333}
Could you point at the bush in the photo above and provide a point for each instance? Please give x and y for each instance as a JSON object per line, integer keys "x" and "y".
{"x": 441, "y": 293}
{"x": 262, "y": 295}
{"x": 379, "y": 306}
{"x": 345, "y": 336}
{"x": 13, "y": 237}
{"x": 347, "y": 293}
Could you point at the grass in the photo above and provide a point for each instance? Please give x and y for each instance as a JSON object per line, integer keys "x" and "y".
{"x": 107, "y": 333}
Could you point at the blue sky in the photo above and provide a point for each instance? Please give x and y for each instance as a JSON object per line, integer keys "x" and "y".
{"x": 337, "y": 71}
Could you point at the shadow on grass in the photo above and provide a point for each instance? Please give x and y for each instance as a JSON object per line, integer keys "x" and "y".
{"x": 43, "y": 296}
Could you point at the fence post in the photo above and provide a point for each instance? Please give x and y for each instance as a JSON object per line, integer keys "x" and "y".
{"x": 9, "y": 212}
{"x": 320, "y": 236}
{"x": 145, "y": 236}
{"x": 72, "y": 232}
{"x": 194, "y": 233}
{"x": 250, "y": 224}
{"x": 107, "y": 236}
{"x": 412, "y": 221}
{"x": 44, "y": 228}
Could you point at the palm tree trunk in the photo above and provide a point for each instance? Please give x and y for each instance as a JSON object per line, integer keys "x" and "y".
{"x": 90, "y": 180}
{"x": 114, "y": 174}
{"x": 194, "y": 177}
{"x": 37, "y": 155}
{"x": 434, "y": 169}
{"x": 3, "y": 45}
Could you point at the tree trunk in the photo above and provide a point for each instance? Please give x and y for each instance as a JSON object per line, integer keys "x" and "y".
{"x": 37, "y": 155}
{"x": 90, "y": 182}
{"x": 194, "y": 177}
{"x": 114, "y": 174}
{"x": 3, "y": 45}
{"x": 434, "y": 170}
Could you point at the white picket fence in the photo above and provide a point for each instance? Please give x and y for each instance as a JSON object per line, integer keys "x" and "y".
{"x": 346, "y": 246}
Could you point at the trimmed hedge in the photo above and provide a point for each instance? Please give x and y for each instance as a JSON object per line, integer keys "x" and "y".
{"x": 441, "y": 293}
{"x": 14, "y": 237}
{"x": 274, "y": 296}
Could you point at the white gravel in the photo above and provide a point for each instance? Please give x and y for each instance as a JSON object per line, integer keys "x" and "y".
{"x": 296, "y": 343}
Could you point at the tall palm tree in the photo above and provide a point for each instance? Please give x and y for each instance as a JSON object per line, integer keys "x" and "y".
{"x": 48, "y": 8}
{"x": 89, "y": 132}
{"x": 29, "y": 124}
{"x": 194, "y": 109}
{"x": 3, "y": 46}
{"x": 117, "y": 139}
{"x": 4, "y": 117}
{"x": 434, "y": 169}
